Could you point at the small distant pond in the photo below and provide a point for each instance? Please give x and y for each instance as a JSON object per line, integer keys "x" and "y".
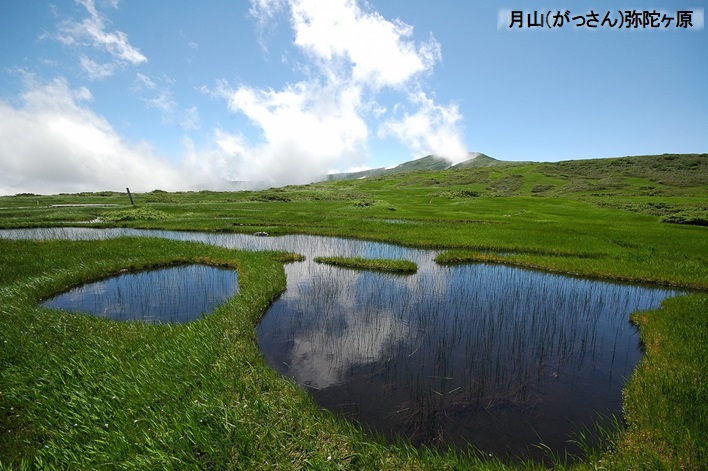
{"x": 499, "y": 357}
{"x": 168, "y": 295}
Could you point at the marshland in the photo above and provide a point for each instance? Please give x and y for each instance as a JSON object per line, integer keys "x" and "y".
{"x": 567, "y": 297}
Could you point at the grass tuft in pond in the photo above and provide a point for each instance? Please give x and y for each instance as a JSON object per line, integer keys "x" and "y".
{"x": 134, "y": 214}
{"x": 387, "y": 265}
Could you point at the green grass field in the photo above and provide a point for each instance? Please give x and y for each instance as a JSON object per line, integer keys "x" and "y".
{"x": 78, "y": 392}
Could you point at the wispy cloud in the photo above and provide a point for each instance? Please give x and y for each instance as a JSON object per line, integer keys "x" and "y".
{"x": 163, "y": 102}
{"x": 156, "y": 93}
{"x": 91, "y": 32}
{"x": 96, "y": 71}
{"x": 190, "y": 119}
{"x": 142, "y": 81}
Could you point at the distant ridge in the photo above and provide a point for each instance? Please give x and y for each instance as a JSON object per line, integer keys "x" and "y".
{"x": 429, "y": 162}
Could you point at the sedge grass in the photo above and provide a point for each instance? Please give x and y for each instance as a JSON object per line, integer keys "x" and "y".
{"x": 83, "y": 392}
{"x": 386, "y": 265}
{"x": 80, "y": 392}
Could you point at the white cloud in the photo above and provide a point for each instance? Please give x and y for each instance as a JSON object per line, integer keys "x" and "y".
{"x": 379, "y": 51}
{"x": 307, "y": 128}
{"x": 91, "y": 32}
{"x": 162, "y": 102}
{"x": 432, "y": 128}
{"x": 53, "y": 142}
{"x": 322, "y": 122}
{"x": 265, "y": 11}
{"x": 324, "y": 118}
{"x": 96, "y": 71}
{"x": 359, "y": 168}
{"x": 190, "y": 119}
{"x": 143, "y": 81}
{"x": 339, "y": 33}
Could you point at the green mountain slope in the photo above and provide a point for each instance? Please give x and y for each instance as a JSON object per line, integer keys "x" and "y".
{"x": 671, "y": 186}
{"x": 429, "y": 162}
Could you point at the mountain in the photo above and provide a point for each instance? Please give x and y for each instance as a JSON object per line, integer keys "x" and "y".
{"x": 429, "y": 162}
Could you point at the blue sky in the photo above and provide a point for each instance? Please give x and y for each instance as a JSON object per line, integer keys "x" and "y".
{"x": 182, "y": 95}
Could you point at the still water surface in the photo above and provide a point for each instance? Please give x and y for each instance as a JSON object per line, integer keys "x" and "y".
{"x": 175, "y": 294}
{"x": 499, "y": 357}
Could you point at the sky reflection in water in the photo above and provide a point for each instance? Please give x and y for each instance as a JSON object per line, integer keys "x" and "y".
{"x": 487, "y": 354}
{"x": 175, "y": 294}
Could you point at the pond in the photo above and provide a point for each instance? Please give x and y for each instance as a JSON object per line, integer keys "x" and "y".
{"x": 499, "y": 357}
{"x": 175, "y": 294}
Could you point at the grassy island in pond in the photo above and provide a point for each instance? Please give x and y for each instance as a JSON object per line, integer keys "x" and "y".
{"x": 394, "y": 266}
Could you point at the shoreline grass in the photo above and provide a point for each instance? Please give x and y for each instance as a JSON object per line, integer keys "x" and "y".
{"x": 669, "y": 431}
{"x": 359, "y": 263}
{"x": 578, "y": 266}
{"x": 79, "y": 391}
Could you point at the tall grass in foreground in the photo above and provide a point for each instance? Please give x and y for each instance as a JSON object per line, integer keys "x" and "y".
{"x": 79, "y": 392}
{"x": 666, "y": 400}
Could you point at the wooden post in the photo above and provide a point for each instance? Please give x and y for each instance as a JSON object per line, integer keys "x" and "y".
{"x": 130, "y": 196}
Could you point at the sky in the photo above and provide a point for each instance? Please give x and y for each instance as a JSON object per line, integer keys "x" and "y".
{"x": 183, "y": 95}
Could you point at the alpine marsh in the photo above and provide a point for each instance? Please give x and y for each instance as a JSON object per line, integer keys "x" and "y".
{"x": 82, "y": 392}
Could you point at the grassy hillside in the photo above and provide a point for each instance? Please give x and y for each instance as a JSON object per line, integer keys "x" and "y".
{"x": 429, "y": 162}
{"x": 632, "y": 218}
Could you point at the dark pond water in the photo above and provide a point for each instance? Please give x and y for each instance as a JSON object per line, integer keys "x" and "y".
{"x": 484, "y": 354}
{"x": 499, "y": 357}
{"x": 175, "y": 294}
